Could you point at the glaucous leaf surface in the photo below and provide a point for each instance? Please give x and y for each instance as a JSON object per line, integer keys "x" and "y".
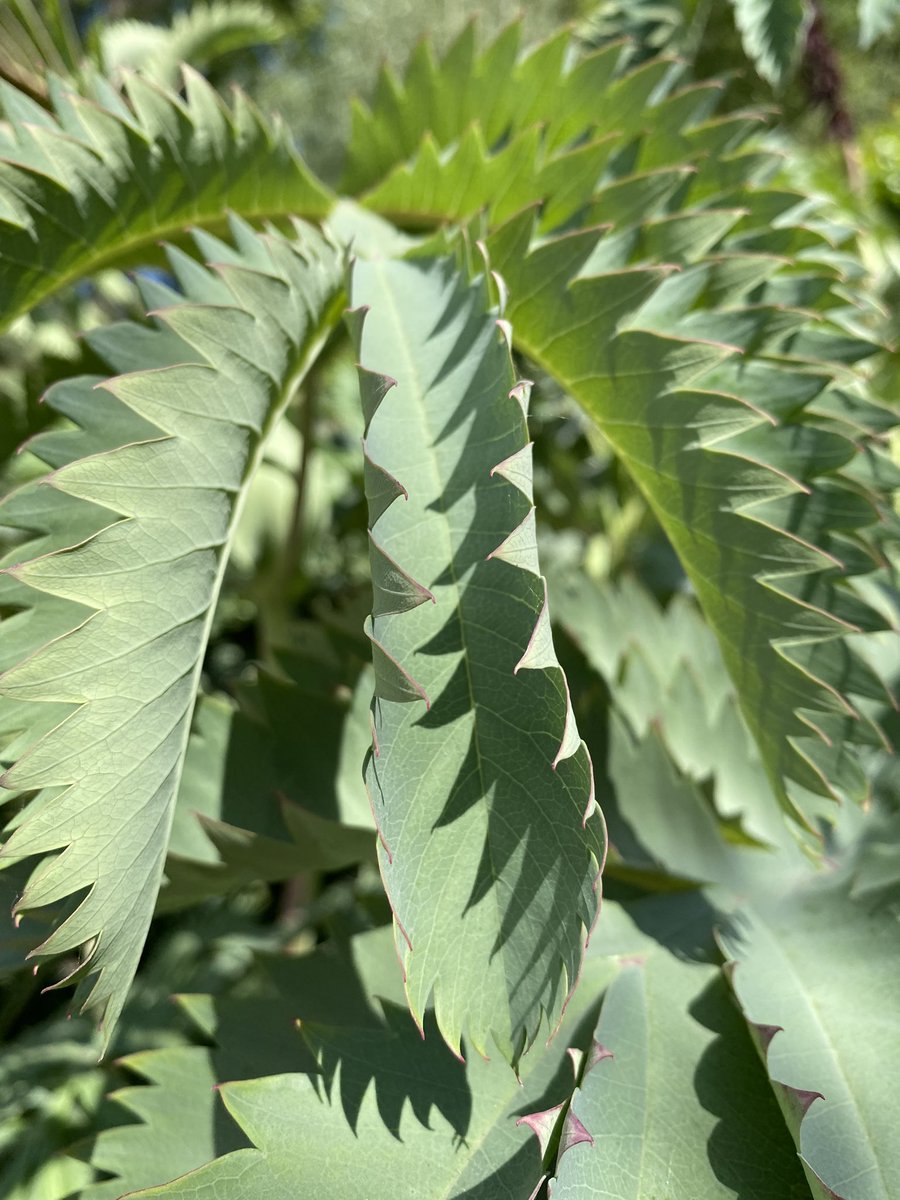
{"x": 481, "y": 787}
{"x": 817, "y": 976}
{"x": 126, "y": 544}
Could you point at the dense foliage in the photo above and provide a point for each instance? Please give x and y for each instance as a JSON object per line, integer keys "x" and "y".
{"x": 399, "y": 556}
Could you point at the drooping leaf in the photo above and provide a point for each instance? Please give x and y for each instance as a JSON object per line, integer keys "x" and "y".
{"x": 104, "y": 178}
{"x": 772, "y": 32}
{"x": 817, "y": 977}
{"x": 274, "y": 788}
{"x": 748, "y": 487}
{"x": 481, "y": 787}
{"x": 129, "y": 541}
{"x": 668, "y": 680}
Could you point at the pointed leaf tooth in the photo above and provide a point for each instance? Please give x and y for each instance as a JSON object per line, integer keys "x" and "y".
{"x": 798, "y": 1099}
{"x": 382, "y": 489}
{"x": 517, "y": 469}
{"x": 373, "y": 387}
{"x": 522, "y": 393}
{"x": 570, "y": 742}
{"x": 542, "y": 1124}
{"x": 506, "y": 333}
{"x": 392, "y": 682}
{"x": 519, "y": 548}
{"x": 762, "y": 1034}
{"x": 394, "y": 590}
{"x": 598, "y": 1053}
{"x": 539, "y": 653}
{"x": 573, "y": 1133}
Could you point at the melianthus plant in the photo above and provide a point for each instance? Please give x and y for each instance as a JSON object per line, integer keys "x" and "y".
{"x": 502, "y": 215}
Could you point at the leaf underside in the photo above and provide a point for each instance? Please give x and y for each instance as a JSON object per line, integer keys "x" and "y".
{"x": 481, "y": 787}
{"x": 126, "y": 542}
{"x": 105, "y": 177}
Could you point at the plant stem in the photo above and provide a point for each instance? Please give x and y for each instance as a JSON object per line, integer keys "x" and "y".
{"x": 293, "y": 546}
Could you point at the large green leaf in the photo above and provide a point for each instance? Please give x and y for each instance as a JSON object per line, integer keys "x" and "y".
{"x": 101, "y": 180}
{"x": 481, "y": 787}
{"x": 736, "y": 413}
{"x": 370, "y": 1104}
{"x": 817, "y": 976}
{"x": 759, "y": 495}
{"x": 671, "y": 1091}
{"x": 118, "y": 588}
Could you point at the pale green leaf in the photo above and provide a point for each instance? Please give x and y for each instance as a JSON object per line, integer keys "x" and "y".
{"x": 371, "y": 1104}
{"x": 817, "y": 976}
{"x": 667, "y": 678}
{"x": 671, "y": 1091}
{"x": 749, "y": 489}
{"x": 481, "y": 788}
{"x": 128, "y": 566}
{"x": 104, "y": 179}
{"x": 275, "y": 788}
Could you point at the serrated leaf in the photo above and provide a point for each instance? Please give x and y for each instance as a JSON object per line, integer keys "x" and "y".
{"x": 370, "y": 1100}
{"x": 135, "y": 599}
{"x": 274, "y": 788}
{"x": 667, "y": 678}
{"x": 481, "y": 787}
{"x": 96, "y": 185}
{"x": 672, "y": 1088}
{"x": 199, "y": 36}
{"x": 752, "y": 496}
{"x": 817, "y": 977}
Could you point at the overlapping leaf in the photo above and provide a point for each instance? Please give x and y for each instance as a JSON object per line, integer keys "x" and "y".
{"x": 667, "y": 679}
{"x": 767, "y": 503}
{"x": 481, "y": 787}
{"x": 817, "y": 976}
{"x": 368, "y": 1099}
{"x": 117, "y": 585}
{"x": 273, "y": 788}
{"x": 726, "y": 387}
{"x": 669, "y": 1088}
{"x": 101, "y": 180}
{"x": 772, "y": 32}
